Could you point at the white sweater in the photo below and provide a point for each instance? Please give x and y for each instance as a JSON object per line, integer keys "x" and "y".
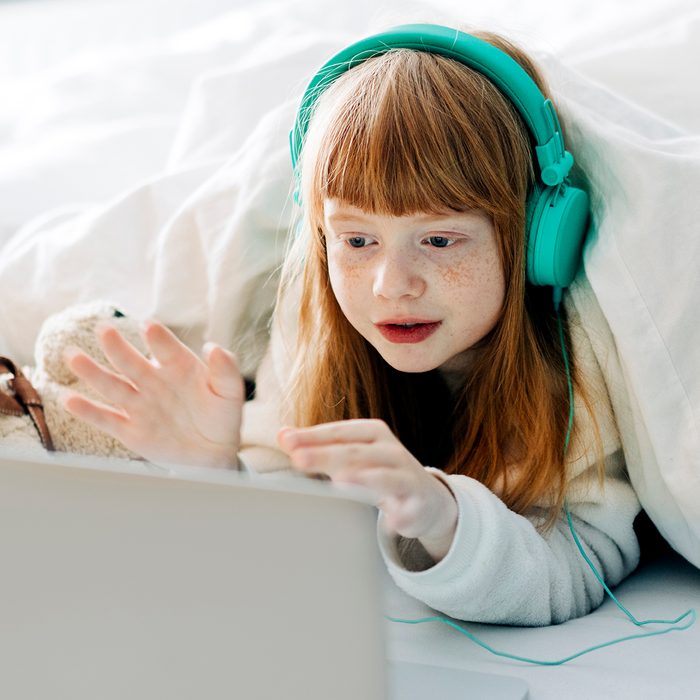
{"x": 500, "y": 568}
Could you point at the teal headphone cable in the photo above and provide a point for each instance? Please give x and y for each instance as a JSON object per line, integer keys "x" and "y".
{"x": 675, "y": 626}
{"x": 540, "y": 662}
{"x": 689, "y": 613}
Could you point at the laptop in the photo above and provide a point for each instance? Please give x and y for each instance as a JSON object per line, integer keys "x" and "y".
{"x": 125, "y": 580}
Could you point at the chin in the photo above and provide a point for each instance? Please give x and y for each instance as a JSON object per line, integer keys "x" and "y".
{"x": 410, "y": 366}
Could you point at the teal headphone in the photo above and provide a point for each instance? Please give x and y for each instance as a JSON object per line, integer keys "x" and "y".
{"x": 557, "y": 213}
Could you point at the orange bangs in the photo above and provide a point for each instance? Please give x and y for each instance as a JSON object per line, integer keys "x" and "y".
{"x": 409, "y": 132}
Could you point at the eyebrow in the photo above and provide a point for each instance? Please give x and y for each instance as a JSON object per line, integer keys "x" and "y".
{"x": 346, "y": 216}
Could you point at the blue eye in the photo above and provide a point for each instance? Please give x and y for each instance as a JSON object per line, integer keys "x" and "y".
{"x": 357, "y": 242}
{"x": 439, "y": 241}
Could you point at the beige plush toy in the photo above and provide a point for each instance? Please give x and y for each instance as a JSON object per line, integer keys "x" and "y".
{"x": 22, "y": 424}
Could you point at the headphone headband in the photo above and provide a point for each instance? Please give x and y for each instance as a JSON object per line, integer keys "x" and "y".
{"x": 502, "y": 70}
{"x": 557, "y": 213}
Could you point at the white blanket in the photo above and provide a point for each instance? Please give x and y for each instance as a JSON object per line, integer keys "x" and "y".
{"x": 158, "y": 175}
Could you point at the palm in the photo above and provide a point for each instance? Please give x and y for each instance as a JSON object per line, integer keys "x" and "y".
{"x": 172, "y": 408}
{"x": 198, "y": 417}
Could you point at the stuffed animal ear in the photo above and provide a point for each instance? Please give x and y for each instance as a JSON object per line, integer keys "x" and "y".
{"x": 76, "y": 325}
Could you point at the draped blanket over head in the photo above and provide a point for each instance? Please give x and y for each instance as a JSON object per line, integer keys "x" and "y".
{"x": 187, "y": 176}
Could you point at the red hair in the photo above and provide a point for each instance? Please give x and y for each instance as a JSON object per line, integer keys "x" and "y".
{"x": 409, "y": 132}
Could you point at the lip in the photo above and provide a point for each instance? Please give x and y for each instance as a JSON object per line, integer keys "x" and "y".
{"x": 405, "y": 319}
{"x": 394, "y": 333}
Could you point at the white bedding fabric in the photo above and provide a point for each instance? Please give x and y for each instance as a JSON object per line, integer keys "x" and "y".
{"x": 656, "y": 668}
{"x": 157, "y": 174}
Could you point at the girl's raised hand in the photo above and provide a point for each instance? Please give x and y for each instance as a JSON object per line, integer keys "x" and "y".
{"x": 366, "y": 453}
{"x": 173, "y": 408}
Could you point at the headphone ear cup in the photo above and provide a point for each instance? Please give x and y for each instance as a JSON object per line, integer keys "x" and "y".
{"x": 557, "y": 220}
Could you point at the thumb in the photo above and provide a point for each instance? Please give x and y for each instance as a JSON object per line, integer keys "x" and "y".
{"x": 225, "y": 378}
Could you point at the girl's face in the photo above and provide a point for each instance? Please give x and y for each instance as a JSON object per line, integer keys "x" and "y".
{"x": 422, "y": 289}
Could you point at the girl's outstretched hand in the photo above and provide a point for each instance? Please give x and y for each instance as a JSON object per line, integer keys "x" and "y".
{"x": 366, "y": 453}
{"x": 173, "y": 408}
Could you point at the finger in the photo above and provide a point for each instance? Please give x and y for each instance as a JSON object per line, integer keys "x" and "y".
{"x": 108, "y": 384}
{"x": 344, "y": 431}
{"x": 100, "y": 416}
{"x": 338, "y": 458}
{"x": 123, "y": 356}
{"x": 167, "y": 348}
{"x": 225, "y": 378}
{"x": 370, "y": 471}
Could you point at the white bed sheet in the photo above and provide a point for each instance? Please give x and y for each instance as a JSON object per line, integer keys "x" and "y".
{"x": 144, "y": 158}
{"x": 653, "y": 668}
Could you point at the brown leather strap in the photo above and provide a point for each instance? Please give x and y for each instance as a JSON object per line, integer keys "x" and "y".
{"x": 9, "y": 405}
{"x": 26, "y": 400}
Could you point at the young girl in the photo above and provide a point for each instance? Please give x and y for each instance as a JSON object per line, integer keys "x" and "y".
{"x": 412, "y": 356}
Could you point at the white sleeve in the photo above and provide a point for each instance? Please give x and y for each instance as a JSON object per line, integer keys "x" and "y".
{"x": 500, "y": 569}
{"x": 262, "y": 416}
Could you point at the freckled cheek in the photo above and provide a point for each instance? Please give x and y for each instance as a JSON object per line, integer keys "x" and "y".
{"x": 347, "y": 282}
{"x": 475, "y": 282}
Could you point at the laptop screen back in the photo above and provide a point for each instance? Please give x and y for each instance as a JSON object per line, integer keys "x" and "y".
{"x": 129, "y": 585}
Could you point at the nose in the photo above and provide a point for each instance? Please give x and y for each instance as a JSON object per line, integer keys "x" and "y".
{"x": 397, "y": 276}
